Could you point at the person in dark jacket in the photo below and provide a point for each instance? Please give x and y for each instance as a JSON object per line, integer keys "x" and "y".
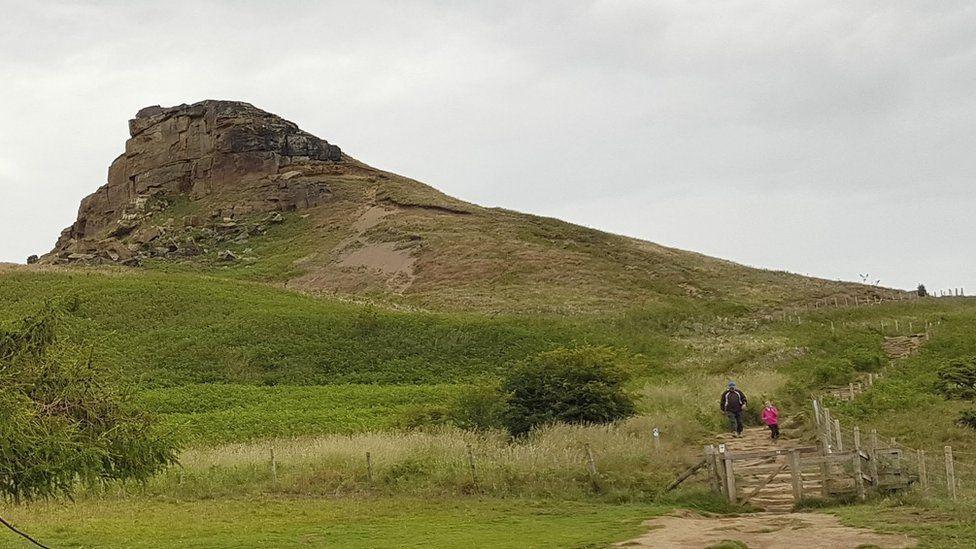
{"x": 732, "y": 403}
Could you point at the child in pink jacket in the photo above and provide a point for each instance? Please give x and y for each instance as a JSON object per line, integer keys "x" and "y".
{"x": 770, "y": 416}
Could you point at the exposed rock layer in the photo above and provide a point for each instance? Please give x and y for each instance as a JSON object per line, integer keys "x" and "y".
{"x": 242, "y": 158}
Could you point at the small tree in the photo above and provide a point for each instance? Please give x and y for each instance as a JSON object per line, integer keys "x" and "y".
{"x": 59, "y": 421}
{"x": 583, "y": 385}
{"x": 921, "y": 291}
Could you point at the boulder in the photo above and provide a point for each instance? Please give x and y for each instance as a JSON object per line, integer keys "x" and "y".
{"x": 227, "y": 255}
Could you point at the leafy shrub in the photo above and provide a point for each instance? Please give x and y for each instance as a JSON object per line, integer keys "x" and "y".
{"x": 418, "y": 416}
{"x": 967, "y": 418}
{"x": 479, "y": 408}
{"x": 957, "y": 378}
{"x": 59, "y": 421}
{"x": 582, "y": 385}
{"x": 833, "y": 372}
{"x": 865, "y": 361}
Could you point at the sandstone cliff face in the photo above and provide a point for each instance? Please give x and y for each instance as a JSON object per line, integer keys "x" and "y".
{"x": 230, "y": 154}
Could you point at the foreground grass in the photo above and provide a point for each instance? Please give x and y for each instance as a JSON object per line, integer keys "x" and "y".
{"x": 284, "y": 522}
{"x": 936, "y": 525}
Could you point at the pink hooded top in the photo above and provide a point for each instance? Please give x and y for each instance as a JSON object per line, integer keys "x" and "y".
{"x": 770, "y": 415}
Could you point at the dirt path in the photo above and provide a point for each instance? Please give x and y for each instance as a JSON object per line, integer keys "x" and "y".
{"x": 763, "y": 531}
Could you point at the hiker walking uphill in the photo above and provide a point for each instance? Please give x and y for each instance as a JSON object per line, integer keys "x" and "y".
{"x": 732, "y": 403}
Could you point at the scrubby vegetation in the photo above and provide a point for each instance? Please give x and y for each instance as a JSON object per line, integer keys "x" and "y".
{"x": 584, "y": 385}
{"x": 61, "y": 423}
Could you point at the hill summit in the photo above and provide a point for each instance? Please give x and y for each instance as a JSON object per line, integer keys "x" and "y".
{"x": 227, "y": 151}
{"x": 224, "y": 187}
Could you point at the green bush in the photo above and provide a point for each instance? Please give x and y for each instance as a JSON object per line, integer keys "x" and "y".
{"x": 967, "y": 418}
{"x": 582, "y": 385}
{"x": 865, "y": 361}
{"x": 833, "y": 372}
{"x": 479, "y": 408}
{"x": 957, "y": 379}
{"x": 417, "y": 416}
{"x": 59, "y": 421}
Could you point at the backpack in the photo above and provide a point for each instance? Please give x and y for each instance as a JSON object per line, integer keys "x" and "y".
{"x": 733, "y": 400}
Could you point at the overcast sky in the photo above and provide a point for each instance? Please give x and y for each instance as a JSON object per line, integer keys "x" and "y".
{"x": 825, "y": 138}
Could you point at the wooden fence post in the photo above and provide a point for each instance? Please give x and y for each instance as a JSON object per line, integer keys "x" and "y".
{"x": 824, "y": 473}
{"x": 895, "y": 457}
{"x": 369, "y": 468}
{"x": 474, "y": 470}
{"x": 796, "y": 476}
{"x": 858, "y": 472}
{"x": 274, "y": 469}
{"x": 838, "y": 436}
{"x": 729, "y": 478}
{"x": 875, "y": 480}
{"x": 816, "y": 413}
{"x": 720, "y": 468}
{"x": 858, "y": 478}
{"x": 714, "y": 479}
{"x": 827, "y": 429}
{"x": 923, "y": 477}
{"x": 591, "y": 467}
{"x": 950, "y": 473}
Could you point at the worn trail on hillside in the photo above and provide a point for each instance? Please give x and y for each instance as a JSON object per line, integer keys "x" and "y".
{"x": 689, "y": 530}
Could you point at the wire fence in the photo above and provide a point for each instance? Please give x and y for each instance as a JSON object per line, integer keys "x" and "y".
{"x": 942, "y": 473}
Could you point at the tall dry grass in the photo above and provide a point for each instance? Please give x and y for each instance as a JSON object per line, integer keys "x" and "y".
{"x": 552, "y": 462}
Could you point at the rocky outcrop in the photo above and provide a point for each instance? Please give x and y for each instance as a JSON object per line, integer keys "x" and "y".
{"x": 228, "y": 156}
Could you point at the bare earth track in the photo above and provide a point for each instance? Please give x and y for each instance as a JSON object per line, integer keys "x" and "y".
{"x": 763, "y": 531}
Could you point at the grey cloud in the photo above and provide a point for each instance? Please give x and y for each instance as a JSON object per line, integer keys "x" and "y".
{"x": 781, "y": 134}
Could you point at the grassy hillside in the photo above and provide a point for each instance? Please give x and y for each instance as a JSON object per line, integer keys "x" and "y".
{"x": 226, "y": 360}
{"x": 167, "y": 329}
